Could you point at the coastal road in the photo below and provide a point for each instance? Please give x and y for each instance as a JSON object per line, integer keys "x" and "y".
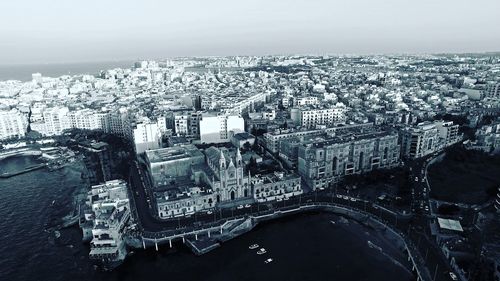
{"x": 420, "y": 230}
{"x": 417, "y": 227}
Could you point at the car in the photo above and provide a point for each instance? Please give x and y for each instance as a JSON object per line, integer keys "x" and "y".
{"x": 286, "y": 198}
{"x": 416, "y": 178}
{"x": 339, "y": 196}
{"x": 248, "y": 206}
{"x": 239, "y": 207}
{"x": 453, "y": 276}
{"x": 353, "y": 199}
{"x": 209, "y": 212}
{"x": 321, "y": 188}
{"x": 279, "y": 199}
{"x": 423, "y": 179}
{"x": 345, "y": 197}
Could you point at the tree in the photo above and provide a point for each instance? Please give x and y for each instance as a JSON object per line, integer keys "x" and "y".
{"x": 448, "y": 210}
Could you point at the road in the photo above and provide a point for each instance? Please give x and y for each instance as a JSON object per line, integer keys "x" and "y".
{"x": 414, "y": 226}
{"x": 420, "y": 231}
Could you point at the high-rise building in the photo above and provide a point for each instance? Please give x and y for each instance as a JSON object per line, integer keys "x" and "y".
{"x": 181, "y": 124}
{"x": 448, "y": 132}
{"x": 492, "y": 91}
{"x": 147, "y": 136}
{"x": 56, "y": 121}
{"x": 428, "y": 137}
{"x": 220, "y": 128}
{"x": 13, "y": 124}
{"x": 419, "y": 141}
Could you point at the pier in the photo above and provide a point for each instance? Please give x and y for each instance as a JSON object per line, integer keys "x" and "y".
{"x": 20, "y": 152}
{"x": 26, "y": 170}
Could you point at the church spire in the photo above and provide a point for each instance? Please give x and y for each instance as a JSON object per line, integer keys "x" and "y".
{"x": 238, "y": 157}
{"x": 222, "y": 160}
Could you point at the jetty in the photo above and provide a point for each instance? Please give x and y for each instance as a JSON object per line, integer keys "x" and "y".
{"x": 26, "y": 170}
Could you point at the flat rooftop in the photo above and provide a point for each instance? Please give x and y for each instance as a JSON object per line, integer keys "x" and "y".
{"x": 325, "y": 141}
{"x": 450, "y": 224}
{"x": 173, "y": 153}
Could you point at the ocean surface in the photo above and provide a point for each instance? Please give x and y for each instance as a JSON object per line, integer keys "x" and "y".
{"x": 23, "y": 72}
{"x": 33, "y": 247}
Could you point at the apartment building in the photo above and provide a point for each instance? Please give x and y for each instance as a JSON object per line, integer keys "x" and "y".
{"x": 323, "y": 161}
{"x": 311, "y": 117}
{"x": 13, "y": 124}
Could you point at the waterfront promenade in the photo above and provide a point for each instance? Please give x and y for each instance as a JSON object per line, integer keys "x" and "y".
{"x": 425, "y": 257}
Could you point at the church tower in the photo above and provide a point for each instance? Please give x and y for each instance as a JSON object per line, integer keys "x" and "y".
{"x": 222, "y": 169}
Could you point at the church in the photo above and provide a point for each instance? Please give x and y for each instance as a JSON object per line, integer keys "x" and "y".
{"x": 224, "y": 173}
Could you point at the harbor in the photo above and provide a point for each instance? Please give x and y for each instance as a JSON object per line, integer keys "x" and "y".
{"x": 52, "y": 158}
{"x": 282, "y": 238}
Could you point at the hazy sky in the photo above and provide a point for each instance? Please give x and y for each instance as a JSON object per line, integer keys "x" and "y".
{"x": 43, "y": 31}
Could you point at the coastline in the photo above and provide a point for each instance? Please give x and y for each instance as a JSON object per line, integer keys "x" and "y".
{"x": 214, "y": 240}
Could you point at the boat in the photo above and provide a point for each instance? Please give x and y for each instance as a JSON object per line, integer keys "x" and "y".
{"x": 333, "y": 222}
{"x": 373, "y": 246}
{"x": 261, "y": 251}
{"x": 253, "y": 246}
{"x": 268, "y": 260}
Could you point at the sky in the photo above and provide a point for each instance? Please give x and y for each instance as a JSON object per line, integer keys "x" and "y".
{"x": 56, "y": 31}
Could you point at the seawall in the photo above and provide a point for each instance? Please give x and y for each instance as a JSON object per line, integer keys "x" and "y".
{"x": 199, "y": 239}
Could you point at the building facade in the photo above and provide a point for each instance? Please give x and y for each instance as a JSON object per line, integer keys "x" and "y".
{"x": 275, "y": 186}
{"x": 147, "y": 136}
{"x": 311, "y": 117}
{"x": 220, "y": 128}
{"x": 13, "y": 124}
{"x": 322, "y": 162}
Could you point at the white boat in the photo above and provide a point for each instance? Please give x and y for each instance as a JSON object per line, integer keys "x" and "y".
{"x": 261, "y": 251}
{"x": 332, "y": 222}
{"x": 253, "y": 246}
{"x": 373, "y": 246}
{"x": 268, "y": 260}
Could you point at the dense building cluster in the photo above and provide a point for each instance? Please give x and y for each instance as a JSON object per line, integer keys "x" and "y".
{"x": 207, "y": 126}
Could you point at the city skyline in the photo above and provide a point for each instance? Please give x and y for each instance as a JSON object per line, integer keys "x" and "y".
{"x": 60, "y": 32}
{"x": 250, "y": 140}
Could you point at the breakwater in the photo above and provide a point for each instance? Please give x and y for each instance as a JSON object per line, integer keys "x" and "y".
{"x": 22, "y": 171}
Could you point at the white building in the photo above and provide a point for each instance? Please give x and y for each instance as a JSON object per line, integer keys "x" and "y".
{"x": 310, "y": 117}
{"x": 448, "y": 132}
{"x": 428, "y": 137}
{"x": 107, "y": 213}
{"x": 55, "y": 121}
{"x": 303, "y": 101}
{"x": 85, "y": 119}
{"x": 13, "y": 124}
{"x": 220, "y": 128}
{"x": 147, "y": 136}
